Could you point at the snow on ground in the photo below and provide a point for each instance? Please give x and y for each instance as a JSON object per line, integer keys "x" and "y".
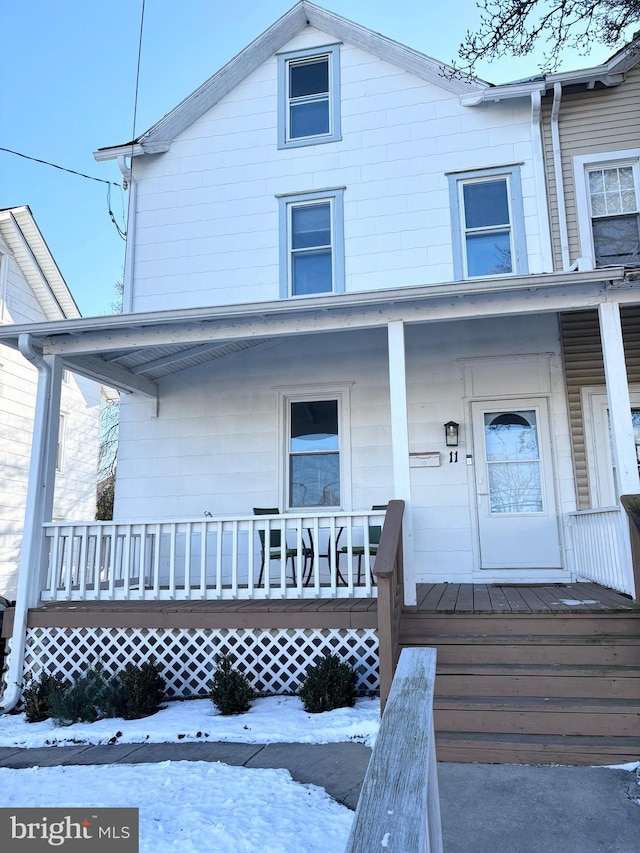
{"x": 277, "y": 719}
{"x": 194, "y": 807}
{"x": 197, "y": 806}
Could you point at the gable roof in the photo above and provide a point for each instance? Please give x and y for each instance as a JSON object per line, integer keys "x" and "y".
{"x": 23, "y": 237}
{"x": 158, "y": 138}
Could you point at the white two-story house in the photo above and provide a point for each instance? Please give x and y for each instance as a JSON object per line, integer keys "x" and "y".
{"x": 32, "y": 290}
{"x": 341, "y": 290}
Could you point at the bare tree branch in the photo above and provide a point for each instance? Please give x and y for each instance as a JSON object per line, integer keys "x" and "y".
{"x": 515, "y": 27}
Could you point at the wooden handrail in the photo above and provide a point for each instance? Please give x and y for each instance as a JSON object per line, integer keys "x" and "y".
{"x": 388, "y": 571}
{"x": 390, "y": 539}
{"x": 399, "y": 808}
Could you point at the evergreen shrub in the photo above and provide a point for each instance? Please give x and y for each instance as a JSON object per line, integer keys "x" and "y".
{"x": 142, "y": 691}
{"x": 36, "y": 696}
{"x": 230, "y": 690}
{"x": 328, "y": 684}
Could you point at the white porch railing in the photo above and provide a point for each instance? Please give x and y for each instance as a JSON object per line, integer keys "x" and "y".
{"x": 601, "y": 544}
{"x": 326, "y": 556}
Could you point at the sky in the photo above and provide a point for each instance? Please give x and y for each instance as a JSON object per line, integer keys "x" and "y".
{"x": 68, "y": 88}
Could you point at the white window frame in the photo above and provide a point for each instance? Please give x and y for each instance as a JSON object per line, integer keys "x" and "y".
{"x": 516, "y": 225}
{"x": 336, "y": 205}
{"x": 582, "y": 165}
{"x": 341, "y": 392}
{"x": 285, "y": 61}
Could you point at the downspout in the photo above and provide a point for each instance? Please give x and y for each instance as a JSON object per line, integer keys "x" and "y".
{"x": 540, "y": 177}
{"x": 557, "y": 170}
{"x": 31, "y": 551}
{"x": 131, "y": 185}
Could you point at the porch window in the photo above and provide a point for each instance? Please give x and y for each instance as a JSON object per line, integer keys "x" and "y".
{"x": 314, "y": 454}
{"x": 487, "y": 223}
{"x": 309, "y": 97}
{"x": 615, "y": 218}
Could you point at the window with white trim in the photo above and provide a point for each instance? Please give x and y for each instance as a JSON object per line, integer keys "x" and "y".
{"x": 309, "y": 97}
{"x": 615, "y": 216}
{"x": 313, "y": 453}
{"x": 312, "y": 244}
{"x": 487, "y": 223}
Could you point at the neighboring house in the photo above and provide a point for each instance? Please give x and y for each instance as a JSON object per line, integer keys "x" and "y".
{"x": 341, "y": 289}
{"x": 32, "y": 290}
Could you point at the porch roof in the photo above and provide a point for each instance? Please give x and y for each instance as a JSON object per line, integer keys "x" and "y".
{"x": 131, "y": 352}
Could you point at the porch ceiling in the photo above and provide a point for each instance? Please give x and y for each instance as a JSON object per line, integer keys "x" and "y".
{"x": 131, "y": 352}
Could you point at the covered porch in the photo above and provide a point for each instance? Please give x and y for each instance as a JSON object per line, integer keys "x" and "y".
{"x": 210, "y": 397}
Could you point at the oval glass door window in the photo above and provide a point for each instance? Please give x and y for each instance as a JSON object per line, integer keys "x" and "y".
{"x": 513, "y": 462}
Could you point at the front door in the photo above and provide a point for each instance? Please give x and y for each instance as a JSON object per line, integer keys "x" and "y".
{"x": 517, "y": 517}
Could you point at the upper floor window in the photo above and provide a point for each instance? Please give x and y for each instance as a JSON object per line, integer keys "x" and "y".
{"x": 615, "y": 220}
{"x": 607, "y": 189}
{"x": 311, "y": 244}
{"x": 487, "y": 223}
{"x": 309, "y": 97}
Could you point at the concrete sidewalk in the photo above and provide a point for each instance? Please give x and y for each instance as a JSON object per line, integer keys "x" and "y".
{"x": 486, "y": 808}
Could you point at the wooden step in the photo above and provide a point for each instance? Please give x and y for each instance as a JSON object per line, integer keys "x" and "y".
{"x": 605, "y": 650}
{"x": 535, "y": 749}
{"x": 539, "y": 681}
{"x": 537, "y": 716}
{"x": 530, "y": 624}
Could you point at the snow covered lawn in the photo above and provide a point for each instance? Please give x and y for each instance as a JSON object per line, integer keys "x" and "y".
{"x": 277, "y": 719}
{"x": 193, "y": 807}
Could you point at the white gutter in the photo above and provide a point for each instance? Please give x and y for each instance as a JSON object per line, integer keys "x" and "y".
{"x": 131, "y": 185}
{"x": 31, "y": 552}
{"x": 557, "y": 170}
{"x": 537, "y": 145}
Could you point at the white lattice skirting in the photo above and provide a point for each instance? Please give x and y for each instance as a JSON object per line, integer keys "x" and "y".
{"x": 274, "y": 660}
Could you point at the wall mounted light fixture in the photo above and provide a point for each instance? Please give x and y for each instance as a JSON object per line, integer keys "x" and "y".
{"x": 451, "y": 433}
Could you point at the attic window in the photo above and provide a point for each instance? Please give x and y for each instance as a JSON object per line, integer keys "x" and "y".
{"x": 309, "y": 93}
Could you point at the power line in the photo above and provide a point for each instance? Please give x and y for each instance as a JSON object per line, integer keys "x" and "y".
{"x": 62, "y": 168}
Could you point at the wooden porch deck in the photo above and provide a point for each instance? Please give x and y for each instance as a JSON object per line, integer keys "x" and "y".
{"x": 440, "y": 598}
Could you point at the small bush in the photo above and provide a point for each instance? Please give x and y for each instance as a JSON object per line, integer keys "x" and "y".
{"x": 89, "y": 698}
{"x": 141, "y": 693}
{"x": 37, "y": 694}
{"x": 329, "y": 684}
{"x": 230, "y": 691}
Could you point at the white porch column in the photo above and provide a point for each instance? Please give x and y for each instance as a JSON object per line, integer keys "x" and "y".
{"x": 39, "y": 506}
{"x": 400, "y": 450}
{"x": 615, "y": 369}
